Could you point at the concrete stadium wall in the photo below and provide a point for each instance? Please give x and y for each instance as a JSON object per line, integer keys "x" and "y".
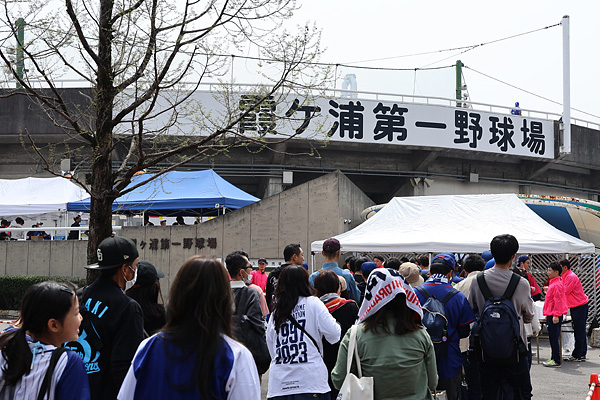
{"x": 305, "y": 213}
{"x": 52, "y": 258}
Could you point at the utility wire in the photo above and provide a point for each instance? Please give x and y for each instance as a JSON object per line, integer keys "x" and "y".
{"x": 323, "y": 64}
{"x": 529, "y": 92}
{"x": 467, "y": 48}
{"x": 463, "y": 49}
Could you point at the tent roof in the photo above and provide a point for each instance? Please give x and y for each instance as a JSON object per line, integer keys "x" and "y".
{"x": 177, "y": 193}
{"x": 461, "y": 224}
{"x": 31, "y": 197}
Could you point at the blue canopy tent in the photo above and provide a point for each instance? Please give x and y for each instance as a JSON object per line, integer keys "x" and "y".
{"x": 177, "y": 193}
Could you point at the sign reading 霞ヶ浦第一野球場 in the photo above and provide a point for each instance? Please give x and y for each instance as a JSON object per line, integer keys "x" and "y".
{"x": 386, "y": 122}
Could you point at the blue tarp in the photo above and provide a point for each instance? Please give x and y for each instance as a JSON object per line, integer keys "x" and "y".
{"x": 177, "y": 193}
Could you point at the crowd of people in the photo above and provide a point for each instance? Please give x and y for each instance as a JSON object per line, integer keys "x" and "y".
{"x": 35, "y": 233}
{"x": 418, "y": 327}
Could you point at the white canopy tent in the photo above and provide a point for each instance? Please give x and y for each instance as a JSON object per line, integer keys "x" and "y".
{"x": 459, "y": 224}
{"x": 34, "y": 197}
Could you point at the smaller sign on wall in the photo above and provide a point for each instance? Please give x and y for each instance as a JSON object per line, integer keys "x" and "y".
{"x": 157, "y": 244}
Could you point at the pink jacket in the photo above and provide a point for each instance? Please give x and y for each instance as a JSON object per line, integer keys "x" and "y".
{"x": 573, "y": 290}
{"x": 555, "y": 303}
{"x": 260, "y": 279}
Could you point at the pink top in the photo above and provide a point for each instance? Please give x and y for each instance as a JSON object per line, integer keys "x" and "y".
{"x": 260, "y": 279}
{"x": 573, "y": 290}
{"x": 264, "y": 308}
{"x": 555, "y": 303}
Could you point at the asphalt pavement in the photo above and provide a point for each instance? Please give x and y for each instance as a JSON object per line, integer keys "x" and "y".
{"x": 569, "y": 382}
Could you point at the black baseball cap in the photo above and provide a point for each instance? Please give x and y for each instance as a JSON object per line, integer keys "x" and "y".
{"x": 262, "y": 260}
{"x": 114, "y": 252}
{"x": 147, "y": 273}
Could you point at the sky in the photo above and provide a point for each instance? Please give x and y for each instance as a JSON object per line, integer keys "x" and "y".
{"x": 388, "y": 32}
{"x": 394, "y": 33}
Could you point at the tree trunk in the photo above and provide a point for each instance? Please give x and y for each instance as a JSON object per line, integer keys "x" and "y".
{"x": 103, "y": 180}
{"x": 100, "y": 213}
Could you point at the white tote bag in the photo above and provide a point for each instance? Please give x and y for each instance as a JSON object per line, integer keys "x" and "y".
{"x": 355, "y": 387}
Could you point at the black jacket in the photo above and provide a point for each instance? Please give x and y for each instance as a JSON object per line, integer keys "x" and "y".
{"x": 111, "y": 331}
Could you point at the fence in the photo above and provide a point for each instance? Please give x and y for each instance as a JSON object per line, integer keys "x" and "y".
{"x": 585, "y": 266}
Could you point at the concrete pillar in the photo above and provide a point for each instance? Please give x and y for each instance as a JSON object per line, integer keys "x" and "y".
{"x": 524, "y": 189}
{"x": 274, "y": 186}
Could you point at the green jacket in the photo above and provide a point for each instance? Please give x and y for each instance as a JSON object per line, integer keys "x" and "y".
{"x": 403, "y": 366}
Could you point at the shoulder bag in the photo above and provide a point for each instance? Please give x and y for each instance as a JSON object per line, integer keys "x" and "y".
{"x": 355, "y": 387}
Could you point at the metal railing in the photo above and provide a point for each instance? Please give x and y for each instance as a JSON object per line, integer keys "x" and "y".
{"x": 369, "y": 95}
{"x": 61, "y": 229}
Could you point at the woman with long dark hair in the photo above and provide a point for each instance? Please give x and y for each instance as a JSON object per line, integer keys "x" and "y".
{"x": 194, "y": 356}
{"x": 294, "y": 337}
{"x": 392, "y": 345}
{"x": 328, "y": 287}
{"x": 146, "y": 292}
{"x": 50, "y": 315}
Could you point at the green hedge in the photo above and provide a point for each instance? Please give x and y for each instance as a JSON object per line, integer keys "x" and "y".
{"x": 13, "y": 287}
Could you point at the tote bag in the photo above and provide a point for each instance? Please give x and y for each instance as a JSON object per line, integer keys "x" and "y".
{"x": 355, "y": 387}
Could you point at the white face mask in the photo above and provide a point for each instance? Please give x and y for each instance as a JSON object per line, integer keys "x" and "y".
{"x": 129, "y": 284}
{"x": 248, "y": 279}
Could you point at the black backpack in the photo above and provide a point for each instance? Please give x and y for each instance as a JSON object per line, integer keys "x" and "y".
{"x": 248, "y": 333}
{"x": 495, "y": 335}
{"x": 435, "y": 321}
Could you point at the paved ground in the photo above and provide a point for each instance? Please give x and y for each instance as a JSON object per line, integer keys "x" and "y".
{"x": 569, "y": 382}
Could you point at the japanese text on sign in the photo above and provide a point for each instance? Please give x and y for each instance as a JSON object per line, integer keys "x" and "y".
{"x": 389, "y": 122}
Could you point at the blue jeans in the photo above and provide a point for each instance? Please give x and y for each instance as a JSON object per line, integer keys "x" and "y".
{"x": 579, "y": 316}
{"x": 303, "y": 396}
{"x": 553, "y": 335}
{"x": 515, "y": 378}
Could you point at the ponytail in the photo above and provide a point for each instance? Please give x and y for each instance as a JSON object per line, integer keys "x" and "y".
{"x": 17, "y": 354}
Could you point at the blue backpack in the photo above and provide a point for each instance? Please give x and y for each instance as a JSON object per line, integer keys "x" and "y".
{"x": 435, "y": 321}
{"x": 496, "y": 336}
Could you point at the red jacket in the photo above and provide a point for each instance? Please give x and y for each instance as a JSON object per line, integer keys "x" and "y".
{"x": 573, "y": 290}
{"x": 535, "y": 289}
{"x": 555, "y": 303}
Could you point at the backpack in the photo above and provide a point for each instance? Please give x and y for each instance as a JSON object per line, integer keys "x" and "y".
{"x": 495, "y": 335}
{"x": 435, "y": 321}
{"x": 247, "y": 331}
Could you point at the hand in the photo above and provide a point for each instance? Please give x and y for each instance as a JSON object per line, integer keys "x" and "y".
{"x": 545, "y": 289}
{"x": 555, "y": 320}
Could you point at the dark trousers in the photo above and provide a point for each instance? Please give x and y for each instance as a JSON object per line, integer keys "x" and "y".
{"x": 579, "y": 316}
{"x": 553, "y": 335}
{"x": 472, "y": 378}
{"x": 515, "y": 378}
{"x": 529, "y": 355}
{"x": 451, "y": 386}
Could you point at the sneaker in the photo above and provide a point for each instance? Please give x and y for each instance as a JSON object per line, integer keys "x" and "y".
{"x": 575, "y": 359}
{"x": 551, "y": 363}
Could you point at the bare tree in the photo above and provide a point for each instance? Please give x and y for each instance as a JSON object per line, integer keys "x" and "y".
{"x": 142, "y": 60}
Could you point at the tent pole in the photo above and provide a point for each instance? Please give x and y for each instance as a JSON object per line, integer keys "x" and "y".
{"x": 312, "y": 262}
